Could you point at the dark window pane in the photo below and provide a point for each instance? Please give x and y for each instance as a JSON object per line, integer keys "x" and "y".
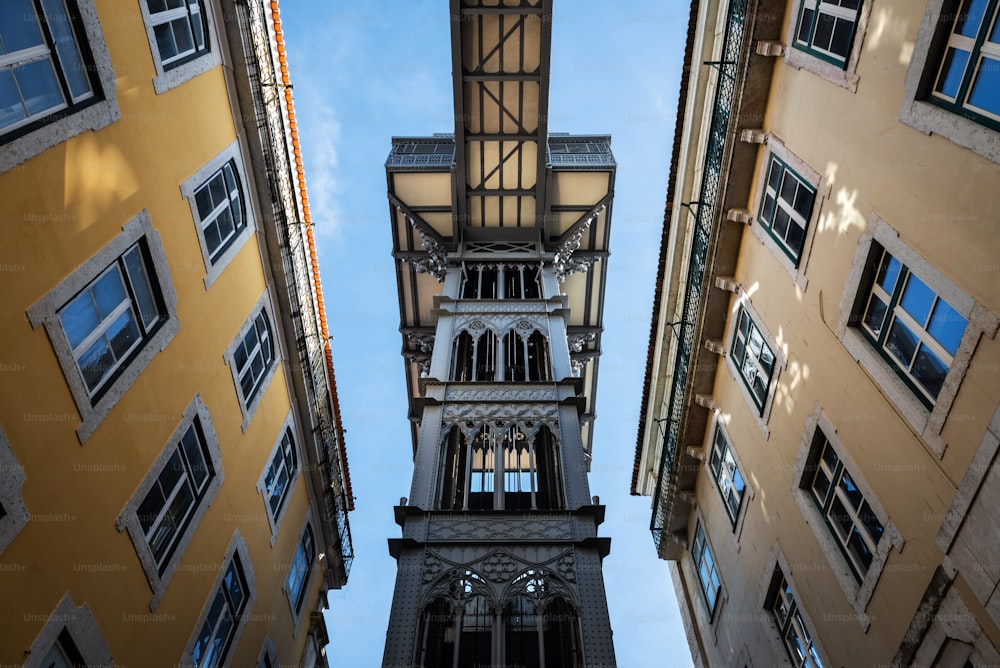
{"x": 875, "y": 317}
{"x": 805, "y": 25}
{"x": 767, "y": 211}
{"x": 929, "y": 371}
{"x": 18, "y": 26}
{"x": 123, "y": 333}
{"x": 69, "y": 55}
{"x": 859, "y": 549}
{"x": 795, "y": 237}
{"x": 842, "y": 34}
{"x": 136, "y": 269}
{"x": 79, "y": 318}
{"x": 96, "y": 362}
{"x": 902, "y": 343}
{"x": 889, "y": 272}
{"x": 850, "y": 490}
{"x": 970, "y": 16}
{"x": 109, "y": 292}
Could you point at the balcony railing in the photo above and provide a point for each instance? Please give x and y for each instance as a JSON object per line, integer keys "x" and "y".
{"x": 581, "y": 152}
{"x": 666, "y": 482}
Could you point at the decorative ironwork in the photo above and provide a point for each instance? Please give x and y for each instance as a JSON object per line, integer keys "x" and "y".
{"x": 436, "y": 262}
{"x": 269, "y": 103}
{"x": 580, "y": 152}
{"x": 564, "y": 263}
{"x": 666, "y": 483}
{"x": 432, "y": 155}
{"x": 577, "y": 342}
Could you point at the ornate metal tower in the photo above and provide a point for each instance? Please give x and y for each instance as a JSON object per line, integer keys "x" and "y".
{"x": 498, "y": 231}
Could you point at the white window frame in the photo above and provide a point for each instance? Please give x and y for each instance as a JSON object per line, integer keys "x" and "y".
{"x": 16, "y": 515}
{"x": 774, "y": 565}
{"x": 268, "y": 656}
{"x": 46, "y": 312}
{"x": 775, "y": 148}
{"x": 927, "y": 423}
{"x": 93, "y": 116}
{"x": 230, "y": 154}
{"x": 760, "y": 413}
{"x": 928, "y": 117}
{"x": 129, "y": 520}
{"x": 168, "y": 76}
{"x": 274, "y": 518}
{"x": 263, "y": 305}
{"x": 79, "y": 622}
{"x": 858, "y": 593}
{"x": 237, "y": 546}
{"x": 846, "y": 76}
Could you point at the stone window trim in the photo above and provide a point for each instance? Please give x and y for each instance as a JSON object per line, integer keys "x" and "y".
{"x": 984, "y": 459}
{"x": 761, "y": 416}
{"x": 198, "y": 179}
{"x": 93, "y": 117}
{"x": 774, "y": 563}
{"x": 845, "y": 77}
{"x": 953, "y": 636}
{"x": 167, "y": 79}
{"x": 79, "y": 622}
{"x": 716, "y": 422}
{"x": 12, "y": 479}
{"x": 858, "y": 595}
{"x": 926, "y": 424}
{"x": 129, "y": 520}
{"x": 46, "y": 312}
{"x": 275, "y": 520}
{"x": 268, "y": 655}
{"x": 773, "y": 146}
{"x": 927, "y": 117}
{"x": 237, "y": 546}
{"x": 307, "y": 525}
{"x": 263, "y": 304}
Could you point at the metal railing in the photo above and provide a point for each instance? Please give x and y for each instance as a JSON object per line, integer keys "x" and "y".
{"x": 666, "y": 483}
{"x": 305, "y": 317}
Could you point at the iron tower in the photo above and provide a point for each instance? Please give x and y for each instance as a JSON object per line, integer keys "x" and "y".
{"x": 500, "y": 232}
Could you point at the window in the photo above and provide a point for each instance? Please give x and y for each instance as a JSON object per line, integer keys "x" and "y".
{"x": 913, "y": 328}
{"x": 298, "y": 573}
{"x": 786, "y": 208}
{"x": 112, "y": 314}
{"x": 268, "y": 657}
{"x": 522, "y": 356}
{"x": 704, "y": 566}
{"x": 112, "y": 318}
{"x": 220, "y": 207}
{"x": 526, "y": 477}
{"x": 43, "y": 69}
{"x": 826, "y": 28}
{"x": 162, "y": 515}
{"x": 14, "y": 515}
{"x": 500, "y": 281}
{"x": 727, "y": 475}
{"x": 168, "y": 506}
{"x": 795, "y": 635}
{"x": 252, "y": 358}
{"x": 56, "y": 79}
{"x": 179, "y": 33}
{"x": 849, "y": 516}
{"x": 474, "y": 356}
{"x": 753, "y": 358}
{"x": 223, "y": 617}
{"x": 216, "y": 634}
{"x": 71, "y": 637}
{"x": 179, "y": 29}
{"x": 278, "y": 478}
{"x": 967, "y": 79}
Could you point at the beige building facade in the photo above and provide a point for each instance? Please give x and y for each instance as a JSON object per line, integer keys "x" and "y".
{"x": 819, "y": 425}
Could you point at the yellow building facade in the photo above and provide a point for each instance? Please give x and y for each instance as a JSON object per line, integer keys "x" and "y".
{"x": 175, "y": 487}
{"x": 820, "y": 417}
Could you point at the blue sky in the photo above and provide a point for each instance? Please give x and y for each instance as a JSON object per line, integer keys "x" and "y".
{"x": 365, "y": 71}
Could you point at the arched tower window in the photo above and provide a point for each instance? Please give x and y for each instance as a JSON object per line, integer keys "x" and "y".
{"x": 454, "y": 464}
{"x": 482, "y": 473}
{"x": 561, "y": 635}
{"x": 437, "y": 647}
{"x": 501, "y": 281}
{"x": 549, "y": 494}
{"x": 522, "y": 641}
{"x": 474, "y": 359}
{"x": 526, "y": 358}
{"x": 475, "y": 642}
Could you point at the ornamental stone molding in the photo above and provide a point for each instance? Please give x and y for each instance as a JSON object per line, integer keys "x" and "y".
{"x": 497, "y": 528}
{"x": 499, "y": 566}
